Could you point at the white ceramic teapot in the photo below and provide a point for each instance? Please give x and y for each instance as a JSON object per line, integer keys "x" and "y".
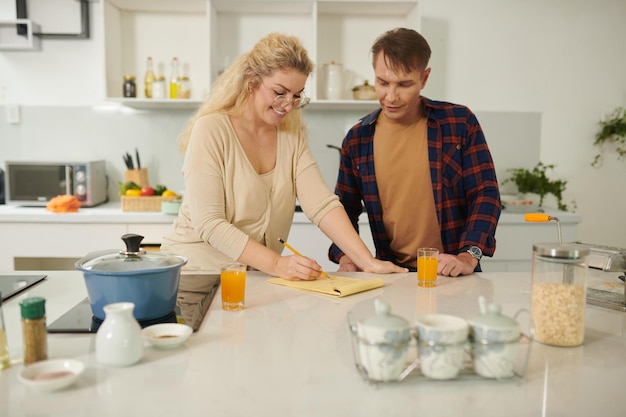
{"x": 383, "y": 342}
{"x": 494, "y": 342}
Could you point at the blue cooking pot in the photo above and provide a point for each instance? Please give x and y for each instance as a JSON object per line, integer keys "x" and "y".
{"x": 147, "y": 279}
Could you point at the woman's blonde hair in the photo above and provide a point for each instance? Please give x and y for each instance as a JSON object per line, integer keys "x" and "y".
{"x": 231, "y": 91}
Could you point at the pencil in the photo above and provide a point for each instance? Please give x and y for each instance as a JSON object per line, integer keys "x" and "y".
{"x": 291, "y": 248}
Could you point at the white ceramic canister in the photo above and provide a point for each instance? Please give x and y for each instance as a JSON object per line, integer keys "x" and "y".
{"x": 495, "y": 341}
{"x": 118, "y": 340}
{"x": 441, "y": 343}
{"x": 383, "y": 342}
{"x": 334, "y": 81}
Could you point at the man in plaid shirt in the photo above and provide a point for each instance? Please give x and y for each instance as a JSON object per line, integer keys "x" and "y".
{"x": 422, "y": 168}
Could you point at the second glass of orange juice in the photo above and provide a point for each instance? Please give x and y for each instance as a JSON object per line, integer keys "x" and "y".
{"x": 427, "y": 262}
{"x": 233, "y": 283}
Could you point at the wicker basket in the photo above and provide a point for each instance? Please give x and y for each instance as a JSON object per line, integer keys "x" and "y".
{"x": 144, "y": 203}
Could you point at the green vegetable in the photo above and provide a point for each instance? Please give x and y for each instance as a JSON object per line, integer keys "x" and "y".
{"x": 128, "y": 185}
{"x": 159, "y": 188}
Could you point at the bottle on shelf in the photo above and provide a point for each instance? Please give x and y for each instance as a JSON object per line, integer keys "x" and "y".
{"x": 174, "y": 81}
{"x": 148, "y": 79}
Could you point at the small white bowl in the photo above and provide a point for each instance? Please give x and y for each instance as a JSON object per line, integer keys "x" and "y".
{"x": 51, "y": 375}
{"x": 167, "y": 335}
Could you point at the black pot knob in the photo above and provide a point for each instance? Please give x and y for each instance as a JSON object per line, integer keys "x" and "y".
{"x": 133, "y": 242}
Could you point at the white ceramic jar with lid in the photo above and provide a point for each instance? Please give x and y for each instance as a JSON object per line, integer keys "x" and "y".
{"x": 383, "y": 341}
{"x": 334, "y": 81}
{"x": 495, "y": 339}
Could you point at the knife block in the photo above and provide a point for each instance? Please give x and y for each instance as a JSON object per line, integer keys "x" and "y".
{"x": 138, "y": 176}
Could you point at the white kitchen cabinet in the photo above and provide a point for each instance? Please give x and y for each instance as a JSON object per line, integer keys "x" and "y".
{"x": 35, "y": 246}
{"x": 514, "y": 240}
{"x": 309, "y": 240}
{"x": 207, "y": 35}
{"x": 32, "y": 236}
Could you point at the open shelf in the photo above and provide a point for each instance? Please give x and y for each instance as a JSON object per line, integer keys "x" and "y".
{"x": 207, "y": 35}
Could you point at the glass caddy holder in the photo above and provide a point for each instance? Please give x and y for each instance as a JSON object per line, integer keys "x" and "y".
{"x": 412, "y": 368}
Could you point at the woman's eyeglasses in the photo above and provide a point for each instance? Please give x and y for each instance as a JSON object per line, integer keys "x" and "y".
{"x": 281, "y": 100}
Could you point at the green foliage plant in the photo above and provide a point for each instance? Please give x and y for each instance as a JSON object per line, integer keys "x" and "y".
{"x": 537, "y": 182}
{"x": 612, "y": 131}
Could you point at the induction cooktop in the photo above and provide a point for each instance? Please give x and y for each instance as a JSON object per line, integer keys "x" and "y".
{"x": 191, "y": 307}
{"x": 11, "y": 285}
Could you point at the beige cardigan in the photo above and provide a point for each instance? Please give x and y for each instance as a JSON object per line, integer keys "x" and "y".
{"x": 225, "y": 201}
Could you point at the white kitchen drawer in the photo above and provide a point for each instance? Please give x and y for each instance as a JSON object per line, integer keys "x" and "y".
{"x": 152, "y": 233}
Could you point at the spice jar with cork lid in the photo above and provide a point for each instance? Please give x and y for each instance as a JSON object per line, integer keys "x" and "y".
{"x": 129, "y": 88}
{"x": 33, "y": 311}
{"x": 558, "y": 295}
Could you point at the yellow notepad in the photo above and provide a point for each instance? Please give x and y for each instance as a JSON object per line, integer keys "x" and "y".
{"x": 337, "y": 287}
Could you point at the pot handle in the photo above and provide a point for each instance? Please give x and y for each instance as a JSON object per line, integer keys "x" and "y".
{"x": 133, "y": 242}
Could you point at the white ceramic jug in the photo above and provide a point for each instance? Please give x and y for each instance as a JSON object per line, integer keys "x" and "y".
{"x": 119, "y": 341}
{"x": 334, "y": 81}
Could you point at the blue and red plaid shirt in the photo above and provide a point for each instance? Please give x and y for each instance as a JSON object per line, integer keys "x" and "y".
{"x": 465, "y": 188}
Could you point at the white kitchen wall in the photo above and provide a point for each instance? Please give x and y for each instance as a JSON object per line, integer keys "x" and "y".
{"x": 561, "y": 63}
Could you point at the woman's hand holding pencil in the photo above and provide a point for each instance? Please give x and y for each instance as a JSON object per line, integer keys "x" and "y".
{"x": 292, "y": 249}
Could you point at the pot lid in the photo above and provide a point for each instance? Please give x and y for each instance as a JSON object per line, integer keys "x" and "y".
{"x": 491, "y": 317}
{"x": 364, "y": 87}
{"x": 132, "y": 259}
{"x": 384, "y": 319}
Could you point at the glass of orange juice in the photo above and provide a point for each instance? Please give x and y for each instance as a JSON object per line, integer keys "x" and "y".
{"x": 427, "y": 261}
{"x": 233, "y": 283}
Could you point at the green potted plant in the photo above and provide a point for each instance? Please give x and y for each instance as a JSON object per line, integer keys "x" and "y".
{"x": 537, "y": 182}
{"x": 612, "y": 132}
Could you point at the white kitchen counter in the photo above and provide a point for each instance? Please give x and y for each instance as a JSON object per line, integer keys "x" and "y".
{"x": 112, "y": 213}
{"x": 105, "y": 213}
{"x": 289, "y": 354}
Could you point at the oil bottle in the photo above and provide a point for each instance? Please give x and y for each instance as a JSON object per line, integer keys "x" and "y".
{"x": 174, "y": 81}
{"x": 148, "y": 79}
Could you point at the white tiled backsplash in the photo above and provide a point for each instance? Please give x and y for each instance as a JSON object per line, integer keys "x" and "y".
{"x": 67, "y": 133}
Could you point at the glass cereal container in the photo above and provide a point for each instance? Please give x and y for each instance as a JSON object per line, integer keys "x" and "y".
{"x": 558, "y": 295}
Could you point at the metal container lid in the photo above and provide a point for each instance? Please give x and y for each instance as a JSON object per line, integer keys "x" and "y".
{"x": 561, "y": 250}
{"x": 133, "y": 260}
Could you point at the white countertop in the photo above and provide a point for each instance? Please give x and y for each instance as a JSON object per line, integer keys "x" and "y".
{"x": 289, "y": 354}
{"x": 112, "y": 213}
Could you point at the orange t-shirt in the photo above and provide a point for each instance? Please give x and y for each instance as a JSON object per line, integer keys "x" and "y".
{"x": 405, "y": 188}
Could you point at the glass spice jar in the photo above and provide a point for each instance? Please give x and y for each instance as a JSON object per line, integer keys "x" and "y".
{"x": 184, "y": 87}
{"x": 558, "y": 295}
{"x": 130, "y": 88}
{"x": 158, "y": 87}
{"x": 33, "y": 312}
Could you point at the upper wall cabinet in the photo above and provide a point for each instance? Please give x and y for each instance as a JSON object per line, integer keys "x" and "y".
{"x": 207, "y": 35}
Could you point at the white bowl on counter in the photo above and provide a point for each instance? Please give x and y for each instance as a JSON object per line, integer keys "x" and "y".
{"x": 167, "y": 335}
{"x": 51, "y": 375}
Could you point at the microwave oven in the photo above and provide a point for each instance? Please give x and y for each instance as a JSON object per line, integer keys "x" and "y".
{"x": 35, "y": 183}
